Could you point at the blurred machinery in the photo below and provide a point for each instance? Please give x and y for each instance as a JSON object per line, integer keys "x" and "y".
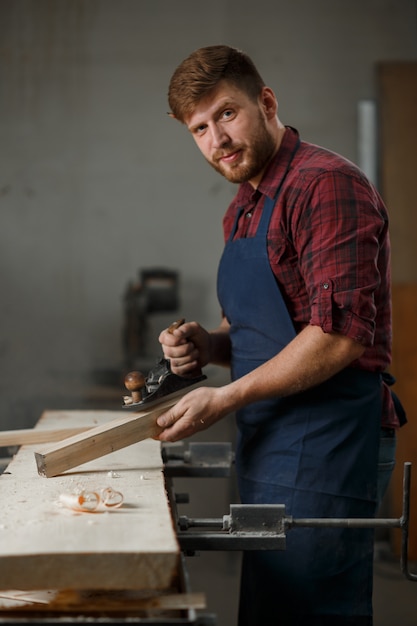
{"x": 155, "y": 291}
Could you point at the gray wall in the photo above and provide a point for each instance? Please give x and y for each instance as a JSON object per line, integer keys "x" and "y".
{"x": 97, "y": 182}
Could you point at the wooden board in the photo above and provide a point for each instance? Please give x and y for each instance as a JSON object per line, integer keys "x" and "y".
{"x": 30, "y": 436}
{"x": 110, "y": 603}
{"x": 404, "y": 368}
{"x": 44, "y": 545}
{"x": 103, "y": 439}
{"x": 397, "y": 103}
{"x": 397, "y": 87}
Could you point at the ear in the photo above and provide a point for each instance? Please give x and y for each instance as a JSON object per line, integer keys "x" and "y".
{"x": 268, "y": 102}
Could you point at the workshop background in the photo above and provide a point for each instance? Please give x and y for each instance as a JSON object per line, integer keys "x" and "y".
{"x": 110, "y": 219}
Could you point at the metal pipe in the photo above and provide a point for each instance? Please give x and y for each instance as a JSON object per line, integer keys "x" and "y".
{"x": 334, "y": 522}
{"x": 406, "y": 518}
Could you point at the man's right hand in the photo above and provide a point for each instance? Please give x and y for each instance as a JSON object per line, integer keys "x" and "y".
{"x": 187, "y": 347}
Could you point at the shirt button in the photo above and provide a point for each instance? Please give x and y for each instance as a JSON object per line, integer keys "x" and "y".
{"x": 249, "y": 214}
{"x": 325, "y": 285}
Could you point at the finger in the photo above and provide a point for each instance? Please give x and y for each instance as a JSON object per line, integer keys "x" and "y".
{"x": 165, "y": 420}
{"x": 176, "y": 432}
{"x": 171, "y": 435}
{"x": 183, "y": 366}
{"x": 175, "y": 425}
{"x": 179, "y": 351}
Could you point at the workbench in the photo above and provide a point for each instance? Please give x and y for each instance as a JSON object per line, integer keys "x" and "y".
{"x": 120, "y": 560}
{"x": 104, "y": 542}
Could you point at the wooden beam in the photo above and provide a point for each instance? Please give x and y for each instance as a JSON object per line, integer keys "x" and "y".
{"x": 101, "y": 440}
{"x": 91, "y": 601}
{"x": 31, "y": 436}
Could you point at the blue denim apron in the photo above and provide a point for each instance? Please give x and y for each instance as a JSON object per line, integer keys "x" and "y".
{"x": 316, "y": 452}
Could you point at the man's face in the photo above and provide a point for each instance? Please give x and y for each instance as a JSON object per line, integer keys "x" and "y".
{"x": 232, "y": 133}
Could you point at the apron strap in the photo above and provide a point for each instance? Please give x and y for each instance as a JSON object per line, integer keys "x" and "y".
{"x": 389, "y": 380}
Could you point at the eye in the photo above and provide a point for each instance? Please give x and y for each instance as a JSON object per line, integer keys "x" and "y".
{"x": 198, "y": 130}
{"x": 227, "y": 114}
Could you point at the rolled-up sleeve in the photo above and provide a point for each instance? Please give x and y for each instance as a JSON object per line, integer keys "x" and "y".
{"x": 338, "y": 242}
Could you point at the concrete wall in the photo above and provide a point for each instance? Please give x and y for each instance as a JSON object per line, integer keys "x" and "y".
{"x": 96, "y": 182}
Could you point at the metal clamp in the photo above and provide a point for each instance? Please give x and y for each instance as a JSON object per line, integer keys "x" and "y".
{"x": 264, "y": 527}
{"x": 197, "y": 459}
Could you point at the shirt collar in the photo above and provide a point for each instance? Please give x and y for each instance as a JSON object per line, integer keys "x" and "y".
{"x": 277, "y": 167}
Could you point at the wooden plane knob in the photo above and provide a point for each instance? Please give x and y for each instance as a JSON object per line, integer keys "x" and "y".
{"x": 134, "y": 382}
{"x": 176, "y": 324}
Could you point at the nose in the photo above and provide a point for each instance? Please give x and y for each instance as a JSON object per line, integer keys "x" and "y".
{"x": 219, "y": 136}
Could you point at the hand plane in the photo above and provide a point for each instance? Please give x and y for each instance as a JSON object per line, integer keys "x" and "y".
{"x": 160, "y": 384}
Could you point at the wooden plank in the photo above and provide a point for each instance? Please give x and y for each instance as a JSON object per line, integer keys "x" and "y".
{"x": 404, "y": 368}
{"x": 44, "y": 545}
{"x": 99, "y": 441}
{"x": 102, "y": 440}
{"x": 397, "y": 87}
{"x": 30, "y": 436}
{"x": 17, "y": 601}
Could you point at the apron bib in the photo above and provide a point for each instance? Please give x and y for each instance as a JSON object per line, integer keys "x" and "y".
{"x": 315, "y": 452}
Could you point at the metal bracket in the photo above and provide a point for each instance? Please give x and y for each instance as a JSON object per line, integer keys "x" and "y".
{"x": 247, "y": 527}
{"x": 197, "y": 459}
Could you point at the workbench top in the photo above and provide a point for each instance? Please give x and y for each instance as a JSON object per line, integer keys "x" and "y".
{"x": 46, "y": 545}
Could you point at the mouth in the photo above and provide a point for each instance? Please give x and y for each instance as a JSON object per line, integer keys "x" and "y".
{"x": 232, "y": 157}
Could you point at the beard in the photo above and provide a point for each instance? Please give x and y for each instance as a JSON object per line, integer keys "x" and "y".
{"x": 257, "y": 153}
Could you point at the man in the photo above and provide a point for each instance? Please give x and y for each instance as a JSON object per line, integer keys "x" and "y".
{"x": 304, "y": 287}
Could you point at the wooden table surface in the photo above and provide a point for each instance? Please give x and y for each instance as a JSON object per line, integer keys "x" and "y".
{"x": 45, "y": 545}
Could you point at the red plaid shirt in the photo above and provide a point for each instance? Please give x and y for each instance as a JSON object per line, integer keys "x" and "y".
{"x": 328, "y": 246}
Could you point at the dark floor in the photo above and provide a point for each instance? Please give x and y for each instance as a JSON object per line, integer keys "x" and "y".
{"x": 395, "y": 597}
